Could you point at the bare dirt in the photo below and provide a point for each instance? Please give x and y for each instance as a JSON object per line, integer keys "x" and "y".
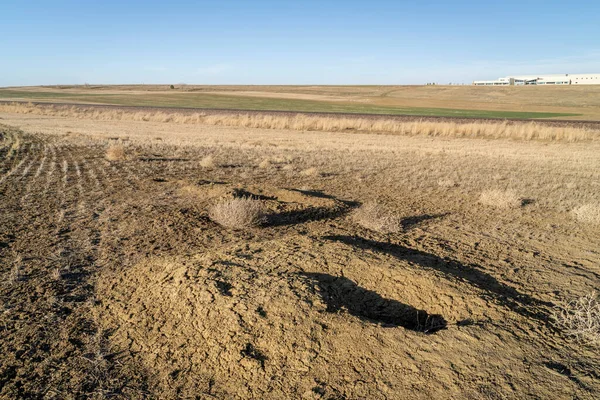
{"x": 115, "y": 283}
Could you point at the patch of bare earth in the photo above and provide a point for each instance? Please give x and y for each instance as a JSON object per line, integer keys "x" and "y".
{"x": 381, "y": 274}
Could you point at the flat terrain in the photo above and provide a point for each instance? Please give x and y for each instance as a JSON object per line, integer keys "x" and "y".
{"x": 116, "y": 283}
{"x": 567, "y": 102}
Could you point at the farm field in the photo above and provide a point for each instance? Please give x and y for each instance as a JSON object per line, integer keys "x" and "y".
{"x": 384, "y": 265}
{"x": 451, "y": 101}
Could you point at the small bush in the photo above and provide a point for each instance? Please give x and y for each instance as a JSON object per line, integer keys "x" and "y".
{"x": 237, "y": 213}
{"x": 446, "y": 183}
{"x": 500, "y": 199}
{"x": 377, "y": 218}
{"x": 172, "y": 87}
{"x": 115, "y": 153}
{"x": 310, "y": 172}
{"x": 589, "y": 213}
{"x": 580, "y": 318}
{"x": 208, "y": 162}
{"x": 266, "y": 163}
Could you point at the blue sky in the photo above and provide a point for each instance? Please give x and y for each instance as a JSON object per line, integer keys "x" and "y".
{"x": 293, "y": 42}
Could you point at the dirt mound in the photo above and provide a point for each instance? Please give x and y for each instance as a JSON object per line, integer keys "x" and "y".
{"x": 255, "y": 321}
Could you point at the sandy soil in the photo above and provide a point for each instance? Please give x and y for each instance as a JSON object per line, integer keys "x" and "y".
{"x": 115, "y": 283}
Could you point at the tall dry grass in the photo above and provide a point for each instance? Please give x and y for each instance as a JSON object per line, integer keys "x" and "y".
{"x": 300, "y": 122}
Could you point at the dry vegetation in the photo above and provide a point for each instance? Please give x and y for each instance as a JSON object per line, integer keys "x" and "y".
{"x": 589, "y": 213}
{"x": 299, "y": 122}
{"x": 208, "y": 162}
{"x": 237, "y": 213}
{"x": 376, "y": 217}
{"x": 500, "y": 198}
{"x": 115, "y": 153}
{"x": 138, "y": 278}
{"x": 580, "y": 318}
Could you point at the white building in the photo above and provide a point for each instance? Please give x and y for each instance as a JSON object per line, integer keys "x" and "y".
{"x": 553, "y": 79}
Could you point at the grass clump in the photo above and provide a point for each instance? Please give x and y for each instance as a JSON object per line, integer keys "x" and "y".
{"x": 580, "y": 318}
{"x": 500, "y": 199}
{"x": 377, "y": 218}
{"x": 589, "y": 213}
{"x": 237, "y": 213}
{"x": 264, "y": 164}
{"x": 208, "y": 162}
{"x": 447, "y": 183}
{"x": 115, "y": 153}
{"x": 310, "y": 172}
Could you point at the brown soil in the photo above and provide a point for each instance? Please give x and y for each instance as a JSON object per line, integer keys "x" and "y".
{"x": 115, "y": 283}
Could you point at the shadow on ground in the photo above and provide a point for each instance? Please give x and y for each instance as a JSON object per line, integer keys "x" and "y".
{"x": 502, "y": 293}
{"x": 305, "y": 215}
{"x": 341, "y": 293}
{"x": 411, "y": 222}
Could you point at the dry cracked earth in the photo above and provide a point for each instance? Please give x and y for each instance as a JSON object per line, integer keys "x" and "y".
{"x": 116, "y": 284}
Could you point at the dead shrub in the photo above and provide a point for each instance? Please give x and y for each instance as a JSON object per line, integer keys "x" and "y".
{"x": 589, "y": 213}
{"x": 500, "y": 198}
{"x": 207, "y": 162}
{"x": 266, "y": 163}
{"x": 580, "y": 318}
{"x": 377, "y": 218}
{"x": 446, "y": 183}
{"x": 310, "y": 172}
{"x": 240, "y": 212}
{"x": 115, "y": 153}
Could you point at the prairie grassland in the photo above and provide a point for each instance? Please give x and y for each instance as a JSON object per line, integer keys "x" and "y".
{"x": 358, "y": 235}
{"x": 572, "y": 102}
{"x": 558, "y": 175}
{"x": 299, "y": 122}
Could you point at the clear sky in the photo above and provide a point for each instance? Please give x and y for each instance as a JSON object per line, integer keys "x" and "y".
{"x": 293, "y": 42}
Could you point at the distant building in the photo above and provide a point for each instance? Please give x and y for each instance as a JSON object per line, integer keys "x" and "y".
{"x": 554, "y": 79}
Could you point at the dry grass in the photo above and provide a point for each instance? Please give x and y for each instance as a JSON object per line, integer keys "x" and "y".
{"x": 266, "y": 163}
{"x": 208, "y": 162}
{"x": 237, "y": 213}
{"x": 580, "y": 318}
{"x": 377, "y": 218}
{"x": 589, "y": 213}
{"x": 310, "y": 172}
{"x": 300, "y": 122}
{"x": 115, "y": 153}
{"x": 500, "y": 199}
{"x": 446, "y": 183}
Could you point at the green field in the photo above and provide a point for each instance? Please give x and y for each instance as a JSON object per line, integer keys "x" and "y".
{"x": 219, "y": 101}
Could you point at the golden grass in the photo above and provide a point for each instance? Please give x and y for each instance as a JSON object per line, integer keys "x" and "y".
{"x": 446, "y": 183}
{"x": 300, "y": 122}
{"x": 500, "y": 198}
{"x": 310, "y": 172}
{"x": 377, "y": 218}
{"x": 208, "y": 162}
{"x": 266, "y": 163}
{"x": 115, "y": 153}
{"x": 589, "y": 213}
{"x": 237, "y": 213}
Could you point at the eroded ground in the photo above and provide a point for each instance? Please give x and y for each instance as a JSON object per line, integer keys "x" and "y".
{"x": 116, "y": 283}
